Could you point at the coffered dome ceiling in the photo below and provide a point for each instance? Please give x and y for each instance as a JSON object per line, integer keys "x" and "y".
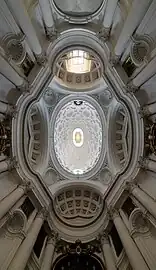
{"x": 78, "y": 7}
{"x": 77, "y": 137}
{"x": 78, "y": 207}
{"x": 78, "y": 68}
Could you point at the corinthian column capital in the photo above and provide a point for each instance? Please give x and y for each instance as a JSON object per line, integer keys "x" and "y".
{"x": 26, "y": 187}
{"x": 129, "y": 186}
{"x": 104, "y": 238}
{"x": 143, "y": 163}
{"x": 41, "y": 59}
{"x": 53, "y": 237}
{"x": 43, "y": 213}
{"x": 144, "y": 111}
{"x": 113, "y": 212}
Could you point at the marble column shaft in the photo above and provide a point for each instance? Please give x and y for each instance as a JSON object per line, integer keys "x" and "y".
{"x": 4, "y": 108}
{"x": 150, "y": 109}
{"x": 151, "y": 165}
{"x": 25, "y": 23}
{"x": 135, "y": 258}
{"x": 145, "y": 74}
{"x": 133, "y": 19}
{"x": 47, "y": 13}
{"x": 109, "y": 13}
{"x": 108, "y": 255}
{"x": 48, "y": 255}
{"x": 4, "y": 165}
{"x": 8, "y": 202}
{"x": 144, "y": 199}
{"x": 10, "y": 73}
{"x": 21, "y": 258}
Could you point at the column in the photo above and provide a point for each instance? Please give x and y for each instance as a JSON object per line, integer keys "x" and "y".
{"x": 149, "y": 109}
{"x": 142, "y": 234}
{"x": 147, "y": 164}
{"x": 10, "y": 73}
{"x": 7, "y": 203}
{"x": 5, "y": 165}
{"x": 145, "y": 74}
{"x": 25, "y": 23}
{"x": 47, "y": 15}
{"x": 136, "y": 260}
{"x": 134, "y": 17}
{"x": 107, "y": 253}
{"x": 49, "y": 254}
{"x": 20, "y": 260}
{"x": 109, "y": 13}
{"x": 144, "y": 25}
{"x": 143, "y": 198}
{"x": 2, "y": 116}
{"x": 5, "y": 108}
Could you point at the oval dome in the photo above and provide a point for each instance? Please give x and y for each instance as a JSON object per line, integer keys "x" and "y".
{"x": 78, "y": 137}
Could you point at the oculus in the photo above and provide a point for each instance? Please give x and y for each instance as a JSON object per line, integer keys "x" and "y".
{"x": 78, "y": 61}
{"x": 78, "y": 137}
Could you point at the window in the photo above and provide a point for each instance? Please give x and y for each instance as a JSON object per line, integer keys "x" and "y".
{"x": 116, "y": 241}
{"x": 129, "y": 66}
{"x": 27, "y": 207}
{"x": 27, "y": 65}
{"x": 128, "y": 206}
{"x": 78, "y": 62}
{"x": 78, "y": 262}
{"x": 40, "y": 241}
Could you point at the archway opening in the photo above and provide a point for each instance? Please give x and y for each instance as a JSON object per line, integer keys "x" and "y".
{"x": 77, "y": 262}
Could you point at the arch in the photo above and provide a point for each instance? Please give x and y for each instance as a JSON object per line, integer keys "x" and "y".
{"x": 78, "y": 206}
{"x": 80, "y": 39}
{"x": 78, "y": 261}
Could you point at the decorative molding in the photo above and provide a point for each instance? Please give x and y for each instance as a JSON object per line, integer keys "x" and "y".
{"x": 144, "y": 111}
{"x": 141, "y": 49}
{"x": 105, "y": 176}
{"x": 113, "y": 212}
{"x": 26, "y": 187}
{"x": 138, "y": 222}
{"x": 78, "y": 207}
{"x": 53, "y": 238}
{"x": 25, "y": 87}
{"x": 143, "y": 163}
{"x": 12, "y": 163}
{"x": 16, "y": 222}
{"x": 43, "y": 213}
{"x": 104, "y": 238}
{"x": 41, "y": 59}
{"x": 78, "y": 247}
{"x": 13, "y": 47}
{"x": 129, "y": 186}
{"x": 51, "y": 98}
{"x": 104, "y": 34}
{"x": 130, "y": 88}
{"x": 51, "y": 33}
{"x": 114, "y": 60}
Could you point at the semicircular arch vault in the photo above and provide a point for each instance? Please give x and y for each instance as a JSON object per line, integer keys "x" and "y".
{"x": 78, "y": 8}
